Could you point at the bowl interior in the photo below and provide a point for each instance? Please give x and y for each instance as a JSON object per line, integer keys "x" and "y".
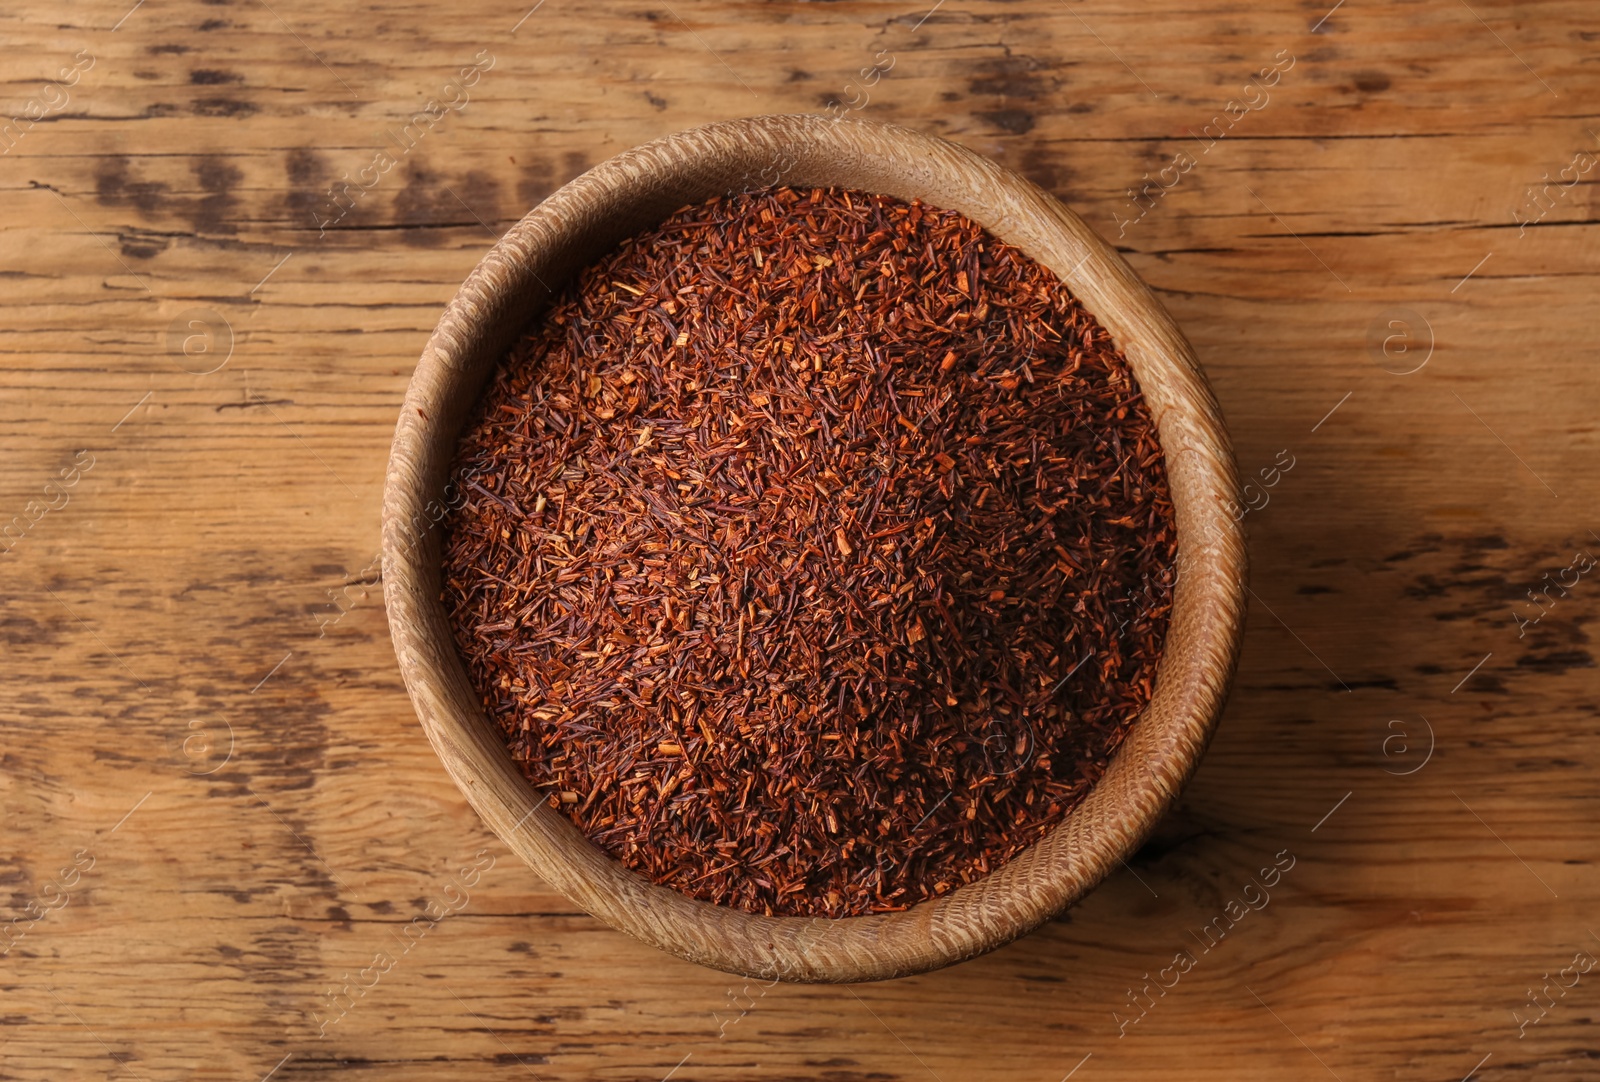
{"x": 637, "y": 189}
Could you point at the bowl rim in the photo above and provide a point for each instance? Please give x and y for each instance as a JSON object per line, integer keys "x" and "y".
{"x": 506, "y": 291}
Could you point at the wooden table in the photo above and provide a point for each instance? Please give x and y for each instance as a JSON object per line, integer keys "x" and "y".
{"x": 220, "y": 808}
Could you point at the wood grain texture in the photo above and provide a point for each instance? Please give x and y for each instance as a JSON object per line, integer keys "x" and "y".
{"x": 182, "y": 590}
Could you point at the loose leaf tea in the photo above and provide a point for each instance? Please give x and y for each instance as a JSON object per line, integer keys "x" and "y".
{"x": 819, "y": 552}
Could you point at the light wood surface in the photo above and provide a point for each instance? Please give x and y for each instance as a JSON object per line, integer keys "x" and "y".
{"x": 181, "y": 590}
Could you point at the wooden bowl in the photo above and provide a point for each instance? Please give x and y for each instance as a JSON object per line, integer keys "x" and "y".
{"x": 639, "y": 188}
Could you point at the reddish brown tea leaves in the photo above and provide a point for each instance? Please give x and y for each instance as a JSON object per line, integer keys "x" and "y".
{"x": 816, "y": 559}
